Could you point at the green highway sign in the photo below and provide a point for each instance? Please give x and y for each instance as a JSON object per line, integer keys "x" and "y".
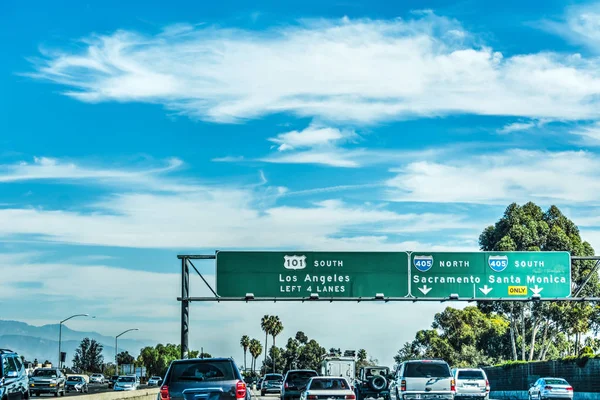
{"x": 490, "y": 274}
{"x": 302, "y": 273}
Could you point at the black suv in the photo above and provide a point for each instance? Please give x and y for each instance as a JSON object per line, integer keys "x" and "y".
{"x": 13, "y": 376}
{"x": 295, "y": 382}
{"x": 373, "y": 382}
{"x": 47, "y": 380}
{"x": 210, "y": 378}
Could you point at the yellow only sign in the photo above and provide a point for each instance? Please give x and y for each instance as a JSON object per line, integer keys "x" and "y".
{"x": 517, "y": 290}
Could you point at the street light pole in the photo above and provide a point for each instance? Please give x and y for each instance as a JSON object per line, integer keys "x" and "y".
{"x": 60, "y": 335}
{"x": 117, "y": 351}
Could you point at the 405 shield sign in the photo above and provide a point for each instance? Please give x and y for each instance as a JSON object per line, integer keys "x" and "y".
{"x": 302, "y": 273}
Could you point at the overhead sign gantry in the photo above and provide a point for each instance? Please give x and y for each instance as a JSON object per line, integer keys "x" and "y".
{"x": 384, "y": 276}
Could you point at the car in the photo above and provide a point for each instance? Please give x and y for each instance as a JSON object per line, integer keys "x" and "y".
{"x": 271, "y": 384}
{"x": 373, "y": 381}
{"x": 76, "y": 383}
{"x": 328, "y": 387}
{"x": 97, "y": 378}
{"x": 471, "y": 383}
{"x": 13, "y": 376}
{"x": 155, "y": 381}
{"x": 126, "y": 382}
{"x": 295, "y": 382}
{"x": 550, "y": 388}
{"x": 424, "y": 379}
{"x": 47, "y": 380}
{"x": 211, "y": 378}
{"x": 112, "y": 380}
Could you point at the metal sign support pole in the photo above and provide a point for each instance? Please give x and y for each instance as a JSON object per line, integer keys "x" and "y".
{"x": 185, "y": 307}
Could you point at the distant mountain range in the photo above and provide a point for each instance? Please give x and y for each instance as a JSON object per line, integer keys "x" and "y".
{"x": 41, "y": 342}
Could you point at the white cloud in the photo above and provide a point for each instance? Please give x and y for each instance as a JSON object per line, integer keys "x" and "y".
{"x": 202, "y": 216}
{"x": 517, "y": 126}
{"x": 332, "y": 158}
{"x": 359, "y": 71}
{"x": 219, "y": 218}
{"x": 110, "y": 288}
{"x": 312, "y": 136}
{"x": 569, "y": 177}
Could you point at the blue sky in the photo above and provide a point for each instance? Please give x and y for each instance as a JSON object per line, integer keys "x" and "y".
{"x": 131, "y": 133}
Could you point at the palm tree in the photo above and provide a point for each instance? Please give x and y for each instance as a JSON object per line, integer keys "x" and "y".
{"x": 245, "y": 342}
{"x": 255, "y": 350}
{"x": 265, "y": 325}
{"x": 276, "y": 329}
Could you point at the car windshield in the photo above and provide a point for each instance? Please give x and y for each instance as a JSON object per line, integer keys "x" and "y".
{"x": 470, "y": 375}
{"x": 273, "y": 377}
{"x": 127, "y": 379}
{"x": 45, "y": 373}
{"x": 555, "y": 381}
{"x": 427, "y": 370}
{"x": 300, "y": 378}
{"x": 155, "y": 377}
{"x": 74, "y": 379}
{"x": 203, "y": 370}
{"x": 328, "y": 384}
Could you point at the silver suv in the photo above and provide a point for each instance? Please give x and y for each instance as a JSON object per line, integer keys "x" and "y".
{"x": 471, "y": 383}
{"x": 424, "y": 379}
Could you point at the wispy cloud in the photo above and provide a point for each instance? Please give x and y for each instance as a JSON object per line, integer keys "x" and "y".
{"x": 312, "y": 136}
{"x": 45, "y": 168}
{"x": 352, "y": 71}
{"x": 589, "y": 134}
{"x": 516, "y": 127}
{"x": 568, "y": 177}
{"x": 579, "y": 25}
{"x": 230, "y": 216}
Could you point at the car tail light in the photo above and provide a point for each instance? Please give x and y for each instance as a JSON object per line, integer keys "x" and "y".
{"x": 452, "y": 385}
{"x": 240, "y": 390}
{"x": 312, "y": 397}
{"x": 403, "y": 385}
{"x": 570, "y": 388}
{"x": 164, "y": 393}
{"x": 286, "y": 385}
{"x": 487, "y": 385}
{"x": 350, "y": 397}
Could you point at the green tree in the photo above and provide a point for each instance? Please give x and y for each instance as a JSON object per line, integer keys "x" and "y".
{"x": 245, "y": 343}
{"x": 529, "y": 228}
{"x": 88, "y": 356}
{"x": 335, "y": 352}
{"x": 275, "y": 358}
{"x": 362, "y": 355}
{"x": 266, "y": 326}
{"x": 464, "y": 337}
{"x": 301, "y": 337}
{"x": 125, "y": 358}
{"x": 310, "y": 355}
{"x": 291, "y": 354}
{"x": 276, "y": 329}
{"x": 255, "y": 351}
